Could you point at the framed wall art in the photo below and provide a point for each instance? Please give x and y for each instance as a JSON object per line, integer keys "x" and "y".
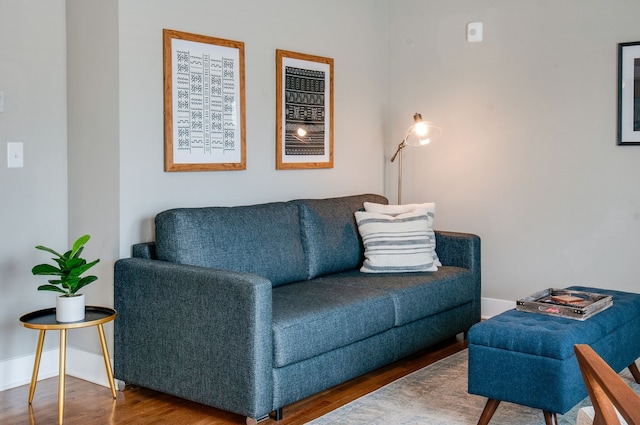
{"x": 304, "y": 111}
{"x": 629, "y": 93}
{"x": 204, "y": 103}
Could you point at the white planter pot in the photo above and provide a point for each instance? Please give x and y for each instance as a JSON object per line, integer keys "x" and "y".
{"x": 70, "y": 309}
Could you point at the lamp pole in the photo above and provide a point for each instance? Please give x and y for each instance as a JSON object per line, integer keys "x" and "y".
{"x": 399, "y": 155}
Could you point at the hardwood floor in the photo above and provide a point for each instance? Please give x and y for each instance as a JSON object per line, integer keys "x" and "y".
{"x": 89, "y": 404}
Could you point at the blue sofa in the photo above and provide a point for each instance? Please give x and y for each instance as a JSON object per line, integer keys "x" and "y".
{"x": 251, "y": 308}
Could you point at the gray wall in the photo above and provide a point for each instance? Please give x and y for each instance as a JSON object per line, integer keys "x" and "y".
{"x": 528, "y": 156}
{"x": 353, "y": 33}
{"x": 33, "y": 209}
{"x": 94, "y": 147}
{"x": 527, "y": 159}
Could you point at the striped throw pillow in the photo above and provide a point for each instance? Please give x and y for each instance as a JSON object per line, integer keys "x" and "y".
{"x": 397, "y": 243}
{"x": 405, "y": 208}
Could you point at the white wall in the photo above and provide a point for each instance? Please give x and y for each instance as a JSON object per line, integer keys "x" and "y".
{"x": 528, "y": 157}
{"x": 33, "y": 202}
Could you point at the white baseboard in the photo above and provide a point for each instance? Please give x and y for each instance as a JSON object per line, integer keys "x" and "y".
{"x": 80, "y": 364}
{"x": 90, "y": 366}
{"x": 492, "y": 307}
{"x": 16, "y": 372}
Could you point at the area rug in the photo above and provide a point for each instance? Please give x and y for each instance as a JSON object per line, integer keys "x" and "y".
{"x": 437, "y": 395}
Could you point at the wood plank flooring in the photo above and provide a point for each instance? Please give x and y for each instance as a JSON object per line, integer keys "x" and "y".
{"x": 89, "y": 404}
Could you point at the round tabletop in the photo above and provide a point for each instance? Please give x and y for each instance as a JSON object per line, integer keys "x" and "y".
{"x": 46, "y": 319}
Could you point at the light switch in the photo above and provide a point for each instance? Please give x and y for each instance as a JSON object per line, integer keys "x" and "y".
{"x": 15, "y": 155}
{"x": 474, "y": 32}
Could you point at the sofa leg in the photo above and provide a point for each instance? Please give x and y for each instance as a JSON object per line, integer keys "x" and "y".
{"x": 120, "y": 385}
{"x": 276, "y": 414}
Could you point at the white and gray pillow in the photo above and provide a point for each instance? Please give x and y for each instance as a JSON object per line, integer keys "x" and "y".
{"x": 397, "y": 242}
{"x": 405, "y": 208}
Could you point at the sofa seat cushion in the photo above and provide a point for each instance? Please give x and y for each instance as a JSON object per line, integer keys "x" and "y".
{"x": 310, "y": 318}
{"x": 330, "y": 234}
{"x": 260, "y": 239}
{"x": 415, "y": 295}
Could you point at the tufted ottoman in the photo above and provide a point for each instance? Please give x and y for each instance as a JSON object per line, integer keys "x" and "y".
{"x": 528, "y": 358}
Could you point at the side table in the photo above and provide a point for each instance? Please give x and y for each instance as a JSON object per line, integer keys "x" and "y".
{"x": 45, "y": 320}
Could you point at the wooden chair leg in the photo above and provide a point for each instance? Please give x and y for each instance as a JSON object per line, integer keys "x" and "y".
{"x": 550, "y": 418}
{"x": 635, "y": 372}
{"x": 488, "y": 411}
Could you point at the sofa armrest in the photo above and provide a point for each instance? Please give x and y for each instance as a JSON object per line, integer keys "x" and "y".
{"x": 462, "y": 250}
{"x": 197, "y": 333}
{"x": 458, "y": 249}
{"x": 145, "y": 250}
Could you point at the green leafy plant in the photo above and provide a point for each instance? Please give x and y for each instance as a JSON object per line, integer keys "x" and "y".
{"x": 68, "y": 269}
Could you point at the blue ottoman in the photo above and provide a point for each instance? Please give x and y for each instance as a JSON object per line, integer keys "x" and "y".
{"x": 528, "y": 358}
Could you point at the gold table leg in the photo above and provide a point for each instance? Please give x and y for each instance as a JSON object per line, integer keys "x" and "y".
{"x": 63, "y": 361}
{"x": 107, "y": 363}
{"x": 36, "y": 365}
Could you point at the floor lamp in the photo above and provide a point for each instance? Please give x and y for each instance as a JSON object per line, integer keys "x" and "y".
{"x": 419, "y": 134}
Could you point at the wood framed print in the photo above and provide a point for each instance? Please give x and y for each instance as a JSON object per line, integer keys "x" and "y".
{"x": 304, "y": 111}
{"x": 629, "y": 93}
{"x": 204, "y": 103}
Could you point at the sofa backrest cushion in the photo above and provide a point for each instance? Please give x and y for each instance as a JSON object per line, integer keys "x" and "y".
{"x": 261, "y": 239}
{"x": 329, "y": 232}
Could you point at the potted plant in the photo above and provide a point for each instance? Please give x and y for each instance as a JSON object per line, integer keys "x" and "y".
{"x": 68, "y": 270}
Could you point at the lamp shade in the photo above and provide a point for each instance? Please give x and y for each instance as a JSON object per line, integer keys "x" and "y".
{"x": 421, "y": 132}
